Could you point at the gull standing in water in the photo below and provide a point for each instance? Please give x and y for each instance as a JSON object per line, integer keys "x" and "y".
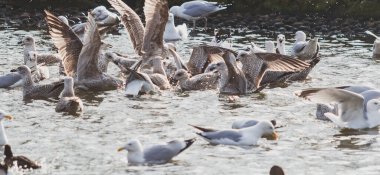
{"x": 240, "y": 137}
{"x": 80, "y": 60}
{"x": 68, "y": 102}
{"x": 356, "y": 111}
{"x": 34, "y": 91}
{"x": 195, "y": 10}
{"x": 376, "y": 45}
{"x": 155, "y": 154}
{"x": 3, "y": 136}
{"x": 280, "y": 44}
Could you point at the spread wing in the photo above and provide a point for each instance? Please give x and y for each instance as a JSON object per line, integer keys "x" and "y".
{"x": 88, "y": 58}
{"x": 68, "y": 43}
{"x": 156, "y": 17}
{"x": 131, "y": 22}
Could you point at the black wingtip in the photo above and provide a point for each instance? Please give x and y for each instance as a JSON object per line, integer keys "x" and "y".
{"x": 273, "y": 122}
{"x": 276, "y": 170}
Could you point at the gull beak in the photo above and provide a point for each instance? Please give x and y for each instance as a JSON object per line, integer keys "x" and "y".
{"x": 13, "y": 70}
{"x": 120, "y": 149}
{"x": 9, "y": 117}
{"x": 272, "y": 136}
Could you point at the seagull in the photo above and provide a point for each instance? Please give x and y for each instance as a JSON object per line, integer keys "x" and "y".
{"x": 305, "y": 50}
{"x": 10, "y": 80}
{"x": 173, "y": 33}
{"x": 80, "y": 59}
{"x": 29, "y": 45}
{"x": 280, "y": 44}
{"x": 198, "y": 82}
{"x": 104, "y": 17}
{"x": 154, "y": 154}
{"x": 244, "y": 123}
{"x": 222, "y": 38}
{"x": 356, "y": 111}
{"x": 269, "y": 48}
{"x": 3, "y": 136}
{"x": 195, "y": 10}
{"x": 376, "y": 45}
{"x": 68, "y": 102}
{"x": 322, "y": 108}
{"x": 34, "y": 91}
{"x": 240, "y": 137}
{"x": 21, "y": 161}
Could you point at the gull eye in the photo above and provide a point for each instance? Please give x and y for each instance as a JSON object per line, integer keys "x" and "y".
{"x": 375, "y": 103}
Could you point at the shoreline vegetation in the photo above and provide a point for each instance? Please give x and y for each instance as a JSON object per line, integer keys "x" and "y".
{"x": 326, "y": 8}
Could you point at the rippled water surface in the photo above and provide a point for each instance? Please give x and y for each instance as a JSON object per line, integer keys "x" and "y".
{"x": 87, "y": 144}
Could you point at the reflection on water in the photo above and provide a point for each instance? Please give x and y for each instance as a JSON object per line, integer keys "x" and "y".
{"x": 87, "y": 144}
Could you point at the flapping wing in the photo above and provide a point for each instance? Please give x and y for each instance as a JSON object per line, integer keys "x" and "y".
{"x": 237, "y": 81}
{"x": 350, "y": 103}
{"x": 278, "y": 62}
{"x": 88, "y": 58}
{"x": 68, "y": 43}
{"x": 131, "y": 22}
{"x": 156, "y": 17}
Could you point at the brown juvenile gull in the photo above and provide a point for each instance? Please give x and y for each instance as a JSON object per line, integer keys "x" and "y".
{"x": 155, "y": 154}
{"x": 39, "y": 71}
{"x": 34, "y": 91}
{"x": 148, "y": 42}
{"x": 255, "y": 65}
{"x": 30, "y": 45}
{"x": 304, "y": 50}
{"x": 240, "y": 137}
{"x": 125, "y": 62}
{"x": 232, "y": 80}
{"x": 80, "y": 60}
{"x": 69, "y": 102}
{"x": 21, "y": 161}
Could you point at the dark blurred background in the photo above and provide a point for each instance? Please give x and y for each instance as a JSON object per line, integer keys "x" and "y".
{"x": 331, "y": 8}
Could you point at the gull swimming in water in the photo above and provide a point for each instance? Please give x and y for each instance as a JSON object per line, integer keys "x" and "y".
{"x": 80, "y": 60}
{"x": 38, "y": 91}
{"x": 30, "y": 45}
{"x": 155, "y": 154}
{"x": 322, "y": 108}
{"x": 269, "y": 47}
{"x": 255, "y": 66}
{"x": 195, "y": 10}
{"x": 3, "y": 136}
{"x": 356, "y": 111}
{"x": 173, "y": 33}
{"x": 280, "y": 44}
{"x": 21, "y": 161}
{"x": 304, "y": 50}
{"x": 240, "y": 137}
{"x": 376, "y": 45}
{"x": 68, "y": 102}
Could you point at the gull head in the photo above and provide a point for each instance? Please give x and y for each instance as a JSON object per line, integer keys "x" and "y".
{"x": 4, "y": 115}
{"x": 300, "y": 36}
{"x": 181, "y": 74}
{"x": 242, "y": 54}
{"x": 175, "y": 10}
{"x": 280, "y": 38}
{"x": 171, "y": 17}
{"x": 110, "y": 56}
{"x": 98, "y": 11}
{"x": 373, "y": 112}
{"x": 132, "y": 146}
{"x": 64, "y": 19}
{"x": 267, "y": 129}
{"x": 23, "y": 70}
{"x": 32, "y": 58}
{"x": 28, "y": 41}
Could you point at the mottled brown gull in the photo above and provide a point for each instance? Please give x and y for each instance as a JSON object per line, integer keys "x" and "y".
{"x": 30, "y": 45}
{"x": 38, "y": 91}
{"x": 68, "y": 102}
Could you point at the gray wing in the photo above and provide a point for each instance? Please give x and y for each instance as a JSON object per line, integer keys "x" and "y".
{"x": 52, "y": 90}
{"x": 351, "y": 104}
{"x": 238, "y": 124}
{"x": 131, "y": 22}
{"x": 203, "y": 81}
{"x": 199, "y": 8}
{"x": 156, "y": 16}
{"x": 89, "y": 55}
{"x": 298, "y": 47}
{"x": 10, "y": 79}
{"x": 225, "y": 134}
{"x": 159, "y": 153}
{"x": 68, "y": 43}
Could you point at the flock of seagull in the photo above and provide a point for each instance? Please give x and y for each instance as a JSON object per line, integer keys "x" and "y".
{"x": 156, "y": 66}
